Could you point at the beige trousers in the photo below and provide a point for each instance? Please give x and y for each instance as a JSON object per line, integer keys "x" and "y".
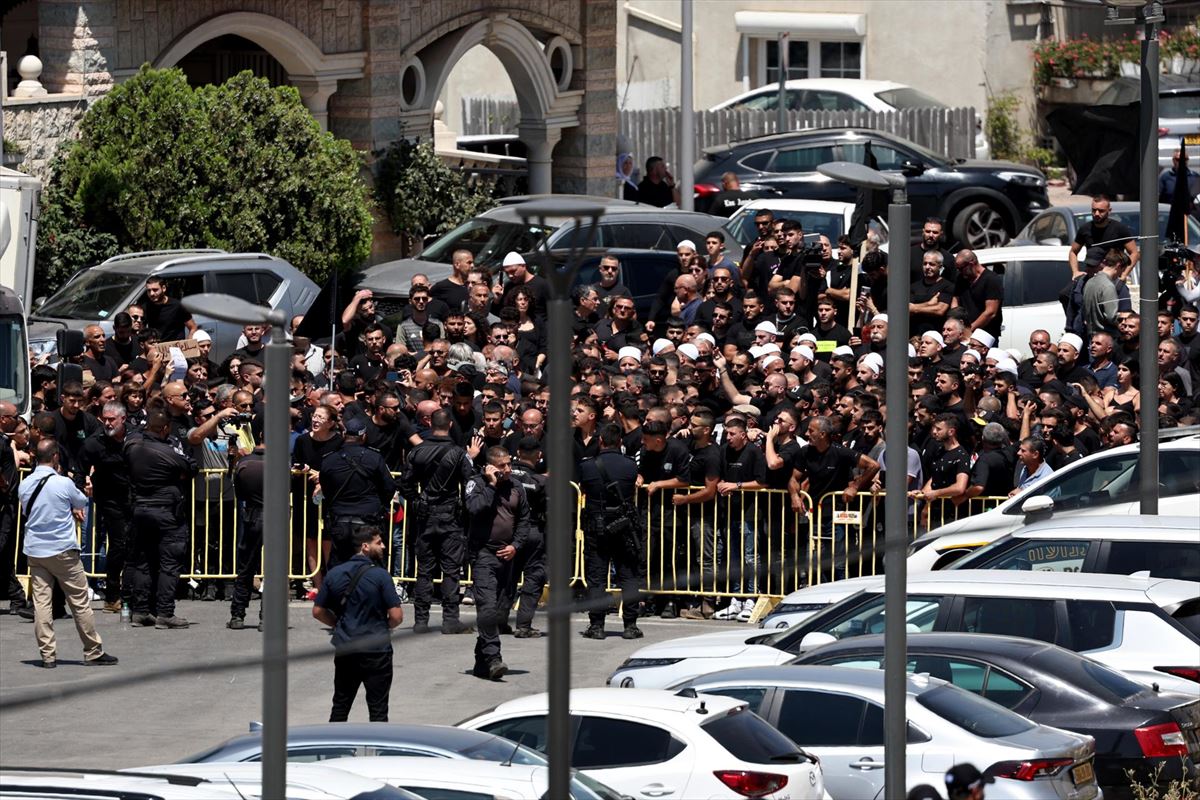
{"x": 67, "y": 569}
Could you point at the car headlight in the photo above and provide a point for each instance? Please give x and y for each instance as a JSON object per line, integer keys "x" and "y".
{"x": 640, "y": 663}
{"x": 1023, "y": 178}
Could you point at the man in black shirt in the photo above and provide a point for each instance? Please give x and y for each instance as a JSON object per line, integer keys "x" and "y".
{"x": 102, "y": 456}
{"x": 72, "y": 426}
{"x": 165, "y": 315}
{"x": 453, "y": 290}
{"x": 949, "y": 475}
{"x": 389, "y": 432}
{"x": 95, "y": 358}
{"x": 123, "y": 345}
{"x": 931, "y": 242}
{"x": 992, "y": 474}
{"x": 980, "y": 293}
{"x": 529, "y": 566}
{"x": 704, "y": 472}
{"x": 658, "y": 187}
{"x": 1099, "y": 236}
{"x": 663, "y": 467}
{"x": 745, "y": 470}
{"x": 519, "y": 277}
{"x": 248, "y": 487}
{"x": 358, "y": 489}
{"x": 357, "y": 317}
{"x": 930, "y": 296}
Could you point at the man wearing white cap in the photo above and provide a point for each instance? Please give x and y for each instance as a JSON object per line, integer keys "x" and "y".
{"x": 981, "y": 341}
{"x": 765, "y": 333}
{"x": 801, "y": 363}
{"x": 979, "y": 292}
{"x": 687, "y": 352}
{"x": 629, "y": 359}
{"x": 876, "y": 341}
{"x": 1069, "y": 369}
{"x": 519, "y": 276}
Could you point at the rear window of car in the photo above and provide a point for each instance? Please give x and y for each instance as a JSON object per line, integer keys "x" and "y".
{"x": 1181, "y": 106}
{"x": 908, "y": 98}
{"x": 1161, "y": 559}
{"x": 748, "y": 737}
{"x": 1089, "y": 676}
{"x": 974, "y": 714}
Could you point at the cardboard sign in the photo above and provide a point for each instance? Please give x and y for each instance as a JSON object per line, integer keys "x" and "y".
{"x": 189, "y": 347}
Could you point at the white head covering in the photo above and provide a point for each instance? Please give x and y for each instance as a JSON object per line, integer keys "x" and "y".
{"x": 688, "y": 351}
{"x": 969, "y": 353}
{"x": 995, "y": 354}
{"x": 1016, "y": 354}
{"x": 871, "y": 365}
{"x": 808, "y": 337}
{"x": 874, "y": 359}
{"x": 879, "y": 318}
{"x": 756, "y": 352}
{"x": 201, "y": 336}
{"x": 912, "y": 351}
{"x": 708, "y": 337}
{"x": 629, "y": 352}
{"x": 803, "y": 352}
{"x": 1007, "y": 365}
{"x": 686, "y": 244}
{"x": 769, "y": 359}
{"x": 513, "y": 258}
{"x": 769, "y": 327}
{"x": 843, "y": 350}
{"x": 771, "y": 347}
{"x": 1073, "y": 340}
{"x": 984, "y": 338}
{"x": 661, "y": 345}
{"x": 935, "y": 336}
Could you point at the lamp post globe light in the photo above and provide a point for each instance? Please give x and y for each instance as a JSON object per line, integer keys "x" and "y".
{"x": 559, "y": 455}
{"x": 895, "y": 462}
{"x": 276, "y": 510}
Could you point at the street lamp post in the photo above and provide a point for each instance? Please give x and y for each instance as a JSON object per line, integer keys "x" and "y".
{"x": 560, "y": 528}
{"x": 895, "y": 508}
{"x": 276, "y": 510}
{"x": 1148, "y": 262}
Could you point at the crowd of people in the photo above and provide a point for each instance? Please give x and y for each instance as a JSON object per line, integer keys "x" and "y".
{"x": 748, "y": 392}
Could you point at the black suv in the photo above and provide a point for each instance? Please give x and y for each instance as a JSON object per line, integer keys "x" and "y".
{"x": 984, "y": 203}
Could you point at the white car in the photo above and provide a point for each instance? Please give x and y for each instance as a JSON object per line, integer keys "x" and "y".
{"x": 1033, "y": 277}
{"x": 304, "y": 781}
{"x": 1104, "y": 483}
{"x": 843, "y": 94}
{"x": 836, "y": 713}
{"x": 817, "y": 216}
{"x": 656, "y": 744}
{"x": 468, "y": 780}
{"x": 63, "y": 783}
{"x": 1125, "y": 622}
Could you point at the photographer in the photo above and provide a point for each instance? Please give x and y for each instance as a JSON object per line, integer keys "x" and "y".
{"x": 218, "y": 439}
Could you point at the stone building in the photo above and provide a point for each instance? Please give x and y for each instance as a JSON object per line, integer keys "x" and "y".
{"x": 369, "y": 70}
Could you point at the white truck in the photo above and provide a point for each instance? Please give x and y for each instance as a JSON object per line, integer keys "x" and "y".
{"x": 18, "y": 240}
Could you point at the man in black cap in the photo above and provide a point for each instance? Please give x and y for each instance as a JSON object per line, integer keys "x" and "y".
{"x": 357, "y": 487}
{"x": 964, "y": 782}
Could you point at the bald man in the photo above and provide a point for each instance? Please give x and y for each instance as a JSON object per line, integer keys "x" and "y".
{"x": 95, "y": 358}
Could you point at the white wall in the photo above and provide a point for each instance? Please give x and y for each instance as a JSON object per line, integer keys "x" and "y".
{"x": 477, "y": 73}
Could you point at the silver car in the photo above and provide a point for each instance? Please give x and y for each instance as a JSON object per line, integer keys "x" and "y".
{"x": 1178, "y": 111}
{"x": 97, "y": 293}
{"x": 836, "y": 713}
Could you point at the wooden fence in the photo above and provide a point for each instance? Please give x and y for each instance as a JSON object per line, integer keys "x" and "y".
{"x": 948, "y": 131}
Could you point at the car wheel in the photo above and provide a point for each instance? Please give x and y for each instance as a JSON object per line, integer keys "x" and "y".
{"x": 980, "y": 226}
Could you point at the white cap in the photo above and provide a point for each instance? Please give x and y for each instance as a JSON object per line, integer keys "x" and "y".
{"x": 661, "y": 345}
{"x": 769, "y": 327}
{"x": 808, "y": 337}
{"x": 912, "y": 351}
{"x": 984, "y": 338}
{"x": 771, "y": 347}
{"x": 1007, "y": 365}
{"x": 995, "y": 354}
{"x": 708, "y": 337}
{"x": 874, "y": 359}
{"x": 935, "y": 336}
{"x": 1073, "y": 340}
{"x": 513, "y": 258}
{"x": 969, "y": 353}
{"x": 1015, "y": 353}
{"x": 686, "y": 244}
{"x": 756, "y": 352}
{"x": 843, "y": 350}
{"x": 770, "y": 359}
{"x": 803, "y": 352}
{"x": 878, "y": 318}
{"x": 629, "y": 352}
{"x": 688, "y": 351}
{"x": 871, "y": 365}
{"x": 201, "y": 336}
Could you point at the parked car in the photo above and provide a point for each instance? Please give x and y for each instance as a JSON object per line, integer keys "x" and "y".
{"x": 64, "y": 783}
{"x": 659, "y": 744}
{"x": 1057, "y": 225}
{"x": 1178, "y": 111}
{"x": 642, "y": 271}
{"x": 475, "y": 780}
{"x": 983, "y": 202}
{"x": 304, "y": 781}
{"x": 1104, "y": 483}
{"x": 817, "y": 216}
{"x": 1033, "y": 278}
{"x": 1159, "y": 546}
{"x": 837, "y": 714}
{"x": 341, "y": 739}
{"x": 843, "y": 94}
{"x": 1135, "y": 728}
{"x": 496, "y": 232}
{"x": 95, "y": 294}
{"x": 1124, "y": 622}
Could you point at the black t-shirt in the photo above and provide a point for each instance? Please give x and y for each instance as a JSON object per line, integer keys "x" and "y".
{"x": 170, "y": 319}
{"x": 390, "y": 442}
{"x": 778, "y": 478}
{"x": 454, "y": 295}
{"x": 706, "y": 463}
{"x": 917, "y": 255}
{"x": 673, "y": 461}
{"x": 827, "y": 472}
{"x": 655, "y": 194}
{"x": 993, "y": 471}
{"x": 947, "y": 468}
{"x": 123, "y": 353}
{"x": 1114, "y": 235}
{"x": 311, "y": 452}
{"x": 974, "y": 296}
{"x": 922, "y": 292}
{"x": 102, "y": 369}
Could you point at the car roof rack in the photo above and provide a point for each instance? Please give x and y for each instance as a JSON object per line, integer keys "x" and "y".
{"x": 178, "y": 780}
{"x": 217, "y": 255}
{"x": 144, "y": 253}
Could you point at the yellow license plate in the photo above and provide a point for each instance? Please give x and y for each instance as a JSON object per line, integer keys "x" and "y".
{"x": 1083, "y": 774}
{"x": 1191, "y": 138}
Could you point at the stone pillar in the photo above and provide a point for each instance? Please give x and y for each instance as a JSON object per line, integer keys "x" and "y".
{"x": 77, "y": 44}
{"x": 367, "y": 110}
{"x": 585, "y": 161}
{"x": 315, "y": 92}
{"x": 539, "y": 141}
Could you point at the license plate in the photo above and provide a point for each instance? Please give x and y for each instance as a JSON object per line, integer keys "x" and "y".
{"x": 1191, "y": 138}
{"x": 1083, "y": 774}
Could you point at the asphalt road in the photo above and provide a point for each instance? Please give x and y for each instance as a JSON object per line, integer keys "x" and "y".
{"x": 160, "y": 714}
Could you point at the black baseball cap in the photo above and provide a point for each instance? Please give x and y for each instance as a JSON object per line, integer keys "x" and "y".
{"x": 962, "y": 778}
{"x": 355, "y": 426}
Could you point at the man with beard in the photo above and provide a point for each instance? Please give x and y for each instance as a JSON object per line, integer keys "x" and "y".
{"x": 992, "y": 474}
{"x": 980, "y": 293}
{"x": 844, "y": 377}
{"x": 949, "y": 383}
{"x": 741, "y": 332}
{"x": 876, "y": 338}
{"x": 930, "y": 353}
{"x": 609, "y": 285}
{"x": 828, "y": 328}
{"x": 930, "y": 295}
{"x": 1129, "y": 334}
{"x": 931, "y": 242}
{"x": 953, "y": 332}
{"x": 519, "y": 276}
{"x": 721, "y": 279}
{"x": 1039, "y": 342}
{"x": 102, "y": 456}
{"x": 1069, "y": 370}
{"x": 949, "y": 475}
{"x": 1099, "y": 235}
{"x": 356, "y": 317}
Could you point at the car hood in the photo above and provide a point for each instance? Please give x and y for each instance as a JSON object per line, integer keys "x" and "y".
{"x": 392, "y": 278}
{"x": 833, "y": 591}
{"x": 719, "y": 644}
{"x": 983, "y": 165}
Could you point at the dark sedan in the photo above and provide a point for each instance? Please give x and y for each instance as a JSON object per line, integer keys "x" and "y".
{"x": 983, "y": 202}
{"x": 1135, "y": 728}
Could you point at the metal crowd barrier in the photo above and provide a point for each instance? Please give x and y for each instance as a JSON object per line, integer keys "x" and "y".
{"x": 742, "y": 544}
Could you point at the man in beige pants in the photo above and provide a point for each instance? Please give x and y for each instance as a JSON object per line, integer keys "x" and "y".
{"x": 51, "y": 504}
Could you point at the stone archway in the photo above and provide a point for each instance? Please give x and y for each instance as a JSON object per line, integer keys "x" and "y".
{"x": 314, "y": 73}
{"x": 540, "y": 74}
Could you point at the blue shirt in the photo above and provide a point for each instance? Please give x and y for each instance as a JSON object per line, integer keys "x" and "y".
{"x": 365, "y": 614}
{"x": 1106, "y": 375}
{"x": 1025, "y": 480}
{"x": 50, "y": 528}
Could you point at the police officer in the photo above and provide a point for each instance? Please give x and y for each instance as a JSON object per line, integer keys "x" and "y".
{"x": 529, "y": 566}
{"x": 433, "y": 485}
{"x": 499, "y": 515}
{"x": 359, "y": 601}
{"x": 357, "y": 488}
{"x": 103, "y": 455}
{"x": 612, "y": 532}
{"x": 9, "y": 478}
{"x": 248, "y": 488}
{"x": 159, "y": 473}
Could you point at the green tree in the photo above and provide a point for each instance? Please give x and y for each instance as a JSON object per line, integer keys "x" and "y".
{"x": 241, "y": 166}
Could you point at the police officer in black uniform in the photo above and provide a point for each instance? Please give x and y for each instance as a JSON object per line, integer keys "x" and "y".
{"x": 499, "y": 515}
{"x": 357, "y": 487}
{"x": 612, "y": 532}
{"x": 248, "y": 488}
{"x": 160, "y": 473}
{"x": 529, "y": 566}
{"x": 103, "y": 456}
{"x": 433, "y": 486}
{"x": 9, "y": 478}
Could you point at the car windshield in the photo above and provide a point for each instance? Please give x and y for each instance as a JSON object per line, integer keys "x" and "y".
{"x": 1133, "y": 221}
{"x": 14, "y": 361}
{"x": 91, "y": 294}
{"x": 1179, "y": 106}
{"x": 908, "y": 98}
{"x": 487, "y": 239}
{"x": 498, "y": 749}
{"x": 741, "y": 225}
{"x": 973, "y": 713}
{"x": 1028, "y": 555}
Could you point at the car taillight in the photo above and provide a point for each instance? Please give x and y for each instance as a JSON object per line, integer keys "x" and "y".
{"x": 706, "y": 189}
{"x": 1188, "y": 673}
{"x": 751, "y": 784}
{"x": 1029, "y": 770}
{"x": 1159, "y": 741}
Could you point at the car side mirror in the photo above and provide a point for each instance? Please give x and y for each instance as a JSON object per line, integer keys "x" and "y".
{"x": 812, "y": 641}
{"x": 911, "y": 167}
{"x": 1039, "y": 505}
{"x": 38, "y": 302}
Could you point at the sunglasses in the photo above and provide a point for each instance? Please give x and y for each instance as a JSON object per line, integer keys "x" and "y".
{"x": 136, "y": 316}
